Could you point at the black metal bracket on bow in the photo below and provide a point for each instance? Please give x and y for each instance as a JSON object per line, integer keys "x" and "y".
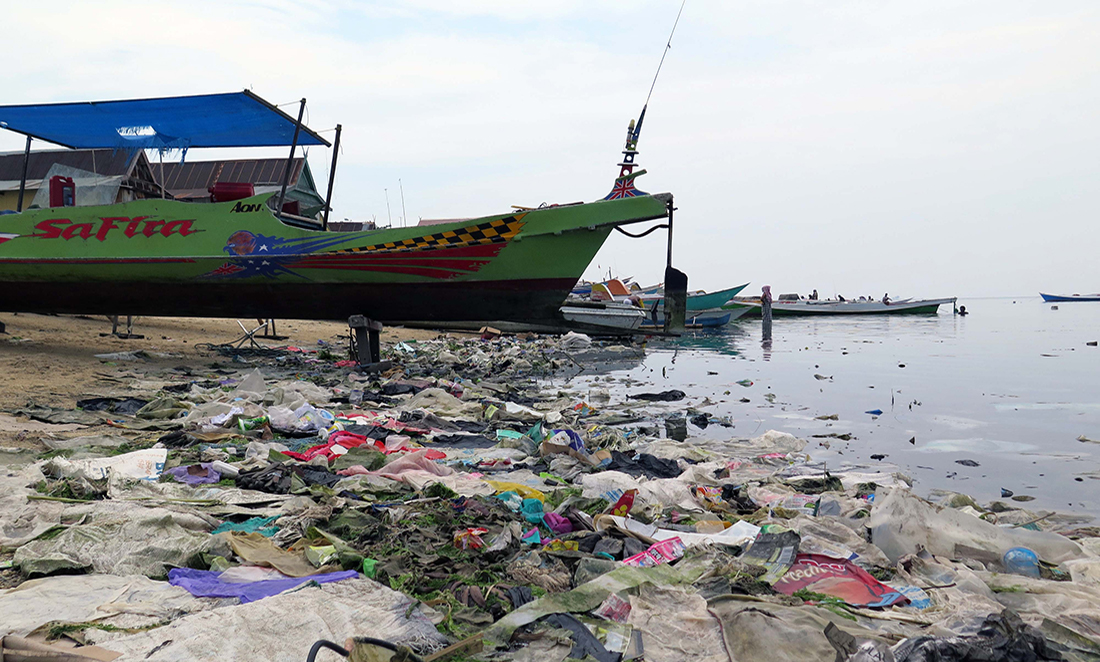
{"x": 641, "y": 234}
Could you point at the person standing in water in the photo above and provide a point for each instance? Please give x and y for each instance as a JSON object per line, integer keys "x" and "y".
{"x": 766, "y": 310}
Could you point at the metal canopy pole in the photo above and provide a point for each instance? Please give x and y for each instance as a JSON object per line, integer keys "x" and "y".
{"x": 331, "y": 177}
{"x": 290, "y": 159}
{"x": 23, "y": 179}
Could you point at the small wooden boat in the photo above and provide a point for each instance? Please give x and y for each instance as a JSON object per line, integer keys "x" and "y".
{"x": 614, "y": 315}
{"x": 806, "y": 307}
{"x": 1070, "y": 297}
{"x": 610, "y": 290}
{"x": 698, "y": 319}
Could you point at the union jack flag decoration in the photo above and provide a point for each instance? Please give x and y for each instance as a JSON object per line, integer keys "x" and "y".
{"x": 227, "y": 269}
{"x": 624, "y": 188}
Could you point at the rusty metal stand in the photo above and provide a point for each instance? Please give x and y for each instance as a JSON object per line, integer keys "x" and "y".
{"x": 129, "y": 335}
{"x": 367, "y": 343}
{"x": 269, "y": 331}
{"x": 249, "y": 336}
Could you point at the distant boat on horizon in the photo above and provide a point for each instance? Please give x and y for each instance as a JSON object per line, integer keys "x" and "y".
{"x": 1070, "y": 297}
{"x": 836, "y": 307}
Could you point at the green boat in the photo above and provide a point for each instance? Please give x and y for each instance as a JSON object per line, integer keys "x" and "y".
{"x": 699, "y": 301}
{"x": 237, "y": 259}
{"x": 240, "y": 259}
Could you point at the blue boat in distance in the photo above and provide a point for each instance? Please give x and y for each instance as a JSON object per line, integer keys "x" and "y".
{"x": 1071, "y": 297}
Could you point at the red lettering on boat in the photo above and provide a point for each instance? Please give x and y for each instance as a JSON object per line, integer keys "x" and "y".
{"x": 49, "y": 229}
{"x": 182, "y": 228}
{"x": 132, "y": 226}
{"x": 82, "y": 230}
{"x": 151, "y": 227}
{"x": 108, "y": 225}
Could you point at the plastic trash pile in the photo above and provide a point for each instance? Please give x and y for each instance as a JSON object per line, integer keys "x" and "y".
{"x": 245, "y": 511}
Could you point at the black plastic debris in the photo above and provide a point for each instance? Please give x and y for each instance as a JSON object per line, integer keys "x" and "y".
{"x": 673, "y": 395}
{"x": 1003, "y": 637}
{"x": 124, "y": 406}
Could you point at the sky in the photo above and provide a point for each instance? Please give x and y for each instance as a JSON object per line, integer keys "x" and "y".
{"x": 922, "y": 149}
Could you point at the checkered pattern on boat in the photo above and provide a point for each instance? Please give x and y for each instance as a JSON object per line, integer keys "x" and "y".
{"x": 491, "y": 232}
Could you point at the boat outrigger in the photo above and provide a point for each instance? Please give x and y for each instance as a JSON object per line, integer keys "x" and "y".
{"x": 248, "y": 257}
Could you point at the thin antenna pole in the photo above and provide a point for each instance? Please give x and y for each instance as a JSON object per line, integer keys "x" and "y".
{"x": 668, "y": 47}
{"x": 404, "y": 218}
{"x": 389, "y": 217}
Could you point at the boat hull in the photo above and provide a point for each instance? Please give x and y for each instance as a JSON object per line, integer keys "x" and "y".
{"x": 622, "y": 317}
{"x": 154, "y": 257}
{"x": 703, "y": 319}
{"x": 853, "y": 308}
{"x": 526, "y": 299}
{"x": 698, "y": 303}
{"x": 1070, "y": 297}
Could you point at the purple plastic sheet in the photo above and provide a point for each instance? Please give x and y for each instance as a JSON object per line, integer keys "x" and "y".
{"x": 557, "y": 523}
{"x": 208, "y": 584}
{"x": 204, "y": 476}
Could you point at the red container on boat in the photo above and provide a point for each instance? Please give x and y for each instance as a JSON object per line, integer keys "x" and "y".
{"x": 228, "y": 191}
{"x": 62, "y": 191}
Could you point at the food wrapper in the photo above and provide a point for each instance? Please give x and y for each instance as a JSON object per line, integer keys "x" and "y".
{"x": 470, "y": 538}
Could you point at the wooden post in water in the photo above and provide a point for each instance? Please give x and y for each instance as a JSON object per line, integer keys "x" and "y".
{"x": 676, "y": 283}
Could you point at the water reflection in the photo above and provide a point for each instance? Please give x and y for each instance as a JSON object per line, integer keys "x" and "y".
{"x": 724, "y": 340}
{"x": 1011, "y": 387}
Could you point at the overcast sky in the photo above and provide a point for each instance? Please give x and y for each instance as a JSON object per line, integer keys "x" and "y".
{"x": 924, "y": 149}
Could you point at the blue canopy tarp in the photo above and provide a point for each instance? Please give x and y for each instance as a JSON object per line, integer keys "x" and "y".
{"x": 236, "y": 119}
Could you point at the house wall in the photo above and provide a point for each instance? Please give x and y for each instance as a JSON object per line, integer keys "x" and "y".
{"x": 8, "y": 199}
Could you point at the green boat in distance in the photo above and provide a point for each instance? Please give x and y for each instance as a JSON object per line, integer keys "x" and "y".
{"x": 237, "y": 259}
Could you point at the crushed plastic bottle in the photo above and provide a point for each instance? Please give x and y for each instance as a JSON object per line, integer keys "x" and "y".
{"x": 251, "y": 423}
{"x": 1021, "y": 561}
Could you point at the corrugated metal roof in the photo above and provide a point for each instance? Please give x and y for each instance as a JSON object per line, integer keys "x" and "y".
{"x": 100, "y": 161}
{"x": 183, "y": 180}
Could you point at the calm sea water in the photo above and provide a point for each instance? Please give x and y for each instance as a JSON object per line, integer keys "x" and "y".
{"x": 1011, "y": 386}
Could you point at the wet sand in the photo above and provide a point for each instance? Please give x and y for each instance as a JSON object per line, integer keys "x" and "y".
{"x": 50, "y": 359}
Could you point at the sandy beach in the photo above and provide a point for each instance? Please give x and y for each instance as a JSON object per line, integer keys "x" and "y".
{"x": 50, "y": 360}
